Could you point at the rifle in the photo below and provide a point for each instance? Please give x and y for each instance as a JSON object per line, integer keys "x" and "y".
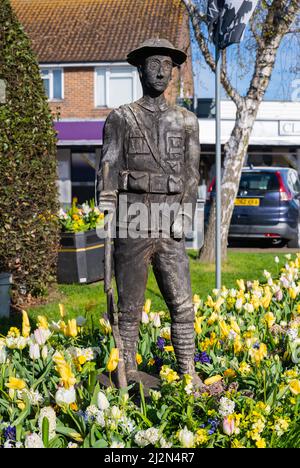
{"x": 108, "y": 289}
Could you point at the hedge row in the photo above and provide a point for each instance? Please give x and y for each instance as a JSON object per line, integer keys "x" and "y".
{"x": 28, "y": 187}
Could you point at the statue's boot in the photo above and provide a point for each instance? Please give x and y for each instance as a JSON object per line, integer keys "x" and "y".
{"x": 183, "y": 340}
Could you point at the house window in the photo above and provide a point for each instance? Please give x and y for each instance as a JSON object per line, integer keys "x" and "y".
{"x": 84, "y": 173}
{"x": 53, "y": 83}
{"x": 117, "y": 85}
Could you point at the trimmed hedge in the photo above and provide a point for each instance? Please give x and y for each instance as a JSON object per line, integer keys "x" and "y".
{"x": 28, "y": 167}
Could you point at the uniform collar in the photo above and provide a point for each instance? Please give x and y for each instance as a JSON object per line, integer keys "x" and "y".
{"x": 148, "y": 104}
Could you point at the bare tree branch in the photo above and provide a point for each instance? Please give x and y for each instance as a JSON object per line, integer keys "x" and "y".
{"x": 197, "y": 19}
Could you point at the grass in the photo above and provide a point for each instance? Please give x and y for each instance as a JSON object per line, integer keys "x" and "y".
{"x": 90, "y": 299}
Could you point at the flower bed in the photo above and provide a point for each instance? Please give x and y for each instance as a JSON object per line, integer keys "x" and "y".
{"x": 247, "y": 352}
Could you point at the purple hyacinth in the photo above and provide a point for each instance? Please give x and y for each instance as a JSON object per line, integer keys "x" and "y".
{"x": 10, "y": 433}
{"x": 203, "y": 358}
{"x": 160, "y": 343}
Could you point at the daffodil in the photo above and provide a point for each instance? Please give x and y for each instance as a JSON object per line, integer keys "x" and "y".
{"x": 15, "y": 384}
{"x": 113, "y": 360}
{"x": 168, "y": 374}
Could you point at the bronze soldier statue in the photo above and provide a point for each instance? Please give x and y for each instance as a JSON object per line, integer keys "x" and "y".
{"x": 153, "y": 152}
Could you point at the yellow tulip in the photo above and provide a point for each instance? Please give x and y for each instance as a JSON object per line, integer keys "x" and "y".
{"x": 235, "y": 326}
{"x": 105, "y": 326}
{"x": 230, "y": 373}
{"x": 25, "y": 325}
{"x": 196, "y": 299}
{"x": 213, "y": 380}
{"x": 295, "y": 387}
{"x": 241, "y": 284}
{"x": 224, "y": 329}
{"x": 65, "y": 372}
{"x": 71, "y": 329}
{"x": 198, "y": 322}
{"x": 62, "y": 310}
{"x": 147, "y": 306}
{"x": 15, "y": 384}
{"x": 168, "y": 374}
{"x": 270, "y": 319}
{"x": 138, "y": 359}
{"x": 293, "y": 293}
{"x": 113, "y": 360}
{"x": 43, "y": 322}
{"x": 219, "y": 303}
{"x": 21, "y": 405}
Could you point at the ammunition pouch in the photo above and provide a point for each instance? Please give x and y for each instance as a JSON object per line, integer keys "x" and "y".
{"x": 145, "y": 182}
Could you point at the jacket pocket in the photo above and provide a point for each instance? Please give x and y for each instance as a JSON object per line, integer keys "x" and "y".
{"x": 175, "y": 184}
{"x": 138, "y": 181}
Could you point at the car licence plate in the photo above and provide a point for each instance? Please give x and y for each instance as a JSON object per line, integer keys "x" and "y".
{"x": 247, "y": 201}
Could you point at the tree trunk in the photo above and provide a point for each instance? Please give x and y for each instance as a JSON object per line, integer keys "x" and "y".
{"x": 235, "y": 153}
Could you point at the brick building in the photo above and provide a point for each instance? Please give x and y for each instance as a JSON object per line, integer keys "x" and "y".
{"x": 81, "y": 46}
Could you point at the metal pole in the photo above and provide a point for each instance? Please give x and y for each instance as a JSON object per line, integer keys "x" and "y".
{"x": 218, "y": 252}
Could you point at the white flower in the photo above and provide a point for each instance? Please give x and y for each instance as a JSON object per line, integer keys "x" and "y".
{"x": 155, "y": 318}
{"x": 232, "y": 293}
{"x": 3, "y": 352}
{"x": 145, "y": 318}
{"x": 164, "y": 444}
{"x": 186, "y": 438}
{"x": 288, "y": 256}
{"x": 117, "y": 444}
{"x": 226, "y": 406}
{"x": 103, "y": 403}
{"x": 34, "y": 351}
{"x": 276, "y": 259}
{"x": 267, "y": 274}
{"x": 19, "y": 445}
{"x": 100, "y": 420}
{"x": 292, "y": 334}
{"x": 55, "y": 326}
{"x": 9, "y": 444}
{"x": 239, "y": 303}
{"x": 41, "y": 335}
{"x": 249, "y": 308}
{"x": 148, "y": 437}
{"x": 45, "y": 352}
{"x": 34, "y": 397}
{"x": 49, "y": 413}
{"x": 155, "y": 395}
{"x": 65, "y": 396}
{"x": 115, "y": 413}
{"x": 62, "y": 214}
{"x": 72, "y": 445}
{"x": 16, "y": 343}
{"x": 33, "y": 441}
{"x": 92, "y": 412}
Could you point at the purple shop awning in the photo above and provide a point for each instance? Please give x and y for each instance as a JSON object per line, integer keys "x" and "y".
{"x": 79, "y": 132}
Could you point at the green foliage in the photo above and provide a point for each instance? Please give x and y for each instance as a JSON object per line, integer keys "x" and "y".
{"x": 28, "y": 191}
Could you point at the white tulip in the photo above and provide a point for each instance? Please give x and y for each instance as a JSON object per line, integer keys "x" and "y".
{"x": 145, "y": 318}
{"x": 41, "y": 335}
{"x": 65, "y": 396}
{"x": 34, "y": 351}
{"x": 103, "y": 403}
{"x": 45, "y": 352}
{"x": 33, "y": 441}
{"x": 186, "y": 438}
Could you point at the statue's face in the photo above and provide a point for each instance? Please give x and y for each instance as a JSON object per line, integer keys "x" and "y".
{"x": 156, "y": 73}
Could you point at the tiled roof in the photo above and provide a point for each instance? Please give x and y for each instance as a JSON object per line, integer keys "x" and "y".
{"x": 96, "y": 30}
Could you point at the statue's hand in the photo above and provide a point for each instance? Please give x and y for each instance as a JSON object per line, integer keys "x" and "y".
{"x": 107, "y": 201}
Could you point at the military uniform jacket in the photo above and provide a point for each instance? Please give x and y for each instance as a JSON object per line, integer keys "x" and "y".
{"x": 153, "y": 154}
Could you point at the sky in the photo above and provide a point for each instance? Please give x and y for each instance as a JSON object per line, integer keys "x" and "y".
{"x": 282, "y": 85}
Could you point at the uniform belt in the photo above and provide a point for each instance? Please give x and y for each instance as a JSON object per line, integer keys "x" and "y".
{"x": 145, "y": 182}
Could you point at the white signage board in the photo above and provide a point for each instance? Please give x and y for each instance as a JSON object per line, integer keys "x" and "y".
{"x": 289, "y": 127}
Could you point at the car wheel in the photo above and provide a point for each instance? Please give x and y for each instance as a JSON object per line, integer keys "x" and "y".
{"x": 295, "y": 243}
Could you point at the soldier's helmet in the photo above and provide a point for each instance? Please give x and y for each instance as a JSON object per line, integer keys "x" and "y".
{"x": 156, "y": 46}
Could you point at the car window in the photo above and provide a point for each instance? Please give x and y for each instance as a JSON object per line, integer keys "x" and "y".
{"x": 293, "y": 182}
{"x": 259, "y": 181}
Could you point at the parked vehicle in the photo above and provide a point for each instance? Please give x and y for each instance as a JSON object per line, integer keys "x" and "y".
{"x": 266, "y": 206}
